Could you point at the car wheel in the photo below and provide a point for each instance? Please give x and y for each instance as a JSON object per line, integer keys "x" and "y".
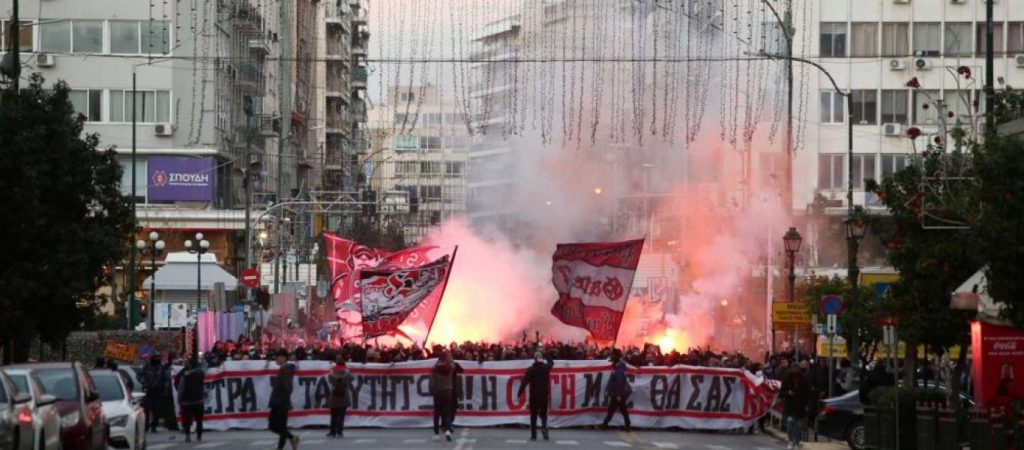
{"x": 856, "y": 436}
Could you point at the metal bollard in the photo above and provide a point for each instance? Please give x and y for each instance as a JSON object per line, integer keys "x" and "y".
{"x": 947, "y": 436}
{"x": 927, "y": 424}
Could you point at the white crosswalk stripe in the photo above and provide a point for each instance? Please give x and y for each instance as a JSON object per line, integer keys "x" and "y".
{"x": 465, "y": 441}
{"x": 158, "y": 446}
{"x": 254, "y": 443}
{"x": 414, "y": 441}
{"x": 665, "y": 445}
{"x": 567, "y": 442}
{"x": 617, "y": 444}
{"x": 313, "y": 442}
{"x": 364, "y": 441}
{"x": 515, "y": 441}
{"x": 208, "y": 445}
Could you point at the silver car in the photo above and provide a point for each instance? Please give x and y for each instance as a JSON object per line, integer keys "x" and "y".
{"x": 15, "y": 417}
{"x": 45, "y": 417}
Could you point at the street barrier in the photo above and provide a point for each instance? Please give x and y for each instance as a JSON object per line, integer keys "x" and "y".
{"x": 927, "y": 425}
{"x": 871, "y": 427}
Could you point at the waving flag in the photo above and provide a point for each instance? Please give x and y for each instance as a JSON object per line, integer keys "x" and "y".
{"x": 593, "y": 281}
{"x": 389, "y": 296}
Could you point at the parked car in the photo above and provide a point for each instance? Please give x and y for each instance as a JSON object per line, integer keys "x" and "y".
{"x": 45, "y": 417}
{"x": 842, "y": 418}
{"x": 82, "y": 426}
{"x": 15, "y": 417}
{"x": 131, "y": 378}
{"x": 121, "y": 407}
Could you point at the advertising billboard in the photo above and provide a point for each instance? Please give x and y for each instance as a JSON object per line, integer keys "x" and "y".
{"x": 180, "y": 178}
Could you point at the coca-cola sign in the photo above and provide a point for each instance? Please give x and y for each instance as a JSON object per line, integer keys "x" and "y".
{"x": 181, "y": 178}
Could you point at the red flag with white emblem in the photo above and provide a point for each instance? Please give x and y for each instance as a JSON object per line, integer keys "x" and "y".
{"x": 593, "y": 281}
{"x": 389, "y": 296}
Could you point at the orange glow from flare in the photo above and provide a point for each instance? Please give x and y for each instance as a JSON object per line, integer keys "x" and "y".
{"x": 673, "y": 340}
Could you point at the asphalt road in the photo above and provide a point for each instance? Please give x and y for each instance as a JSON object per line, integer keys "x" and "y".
{"x": 470, "y": 439}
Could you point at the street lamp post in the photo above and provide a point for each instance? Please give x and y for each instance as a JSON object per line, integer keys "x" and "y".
{"x": 792, "y": 241}
{"x": 154, "y": 247}
{"x": 202, "y": 246}
{"x": 855, "y": 229}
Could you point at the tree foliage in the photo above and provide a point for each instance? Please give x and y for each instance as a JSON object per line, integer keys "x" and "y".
{"x": 67, "y": 221}
{"x": 860, "y": 309}
{"x": 372, "y": 233}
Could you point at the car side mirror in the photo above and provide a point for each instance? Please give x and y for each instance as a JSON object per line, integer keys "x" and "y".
{"x": 46, "y": 399}
{"x": 22, "y": 398}
{"x": 92, "y": 396}
{"x": 138, "y": 397}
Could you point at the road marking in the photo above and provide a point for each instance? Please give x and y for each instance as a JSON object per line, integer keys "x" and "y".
{"x": 314, "y": 442}
{"x": 465, "y": 441}
{"x": 364, "y": 441}
{"x": 414, "y": 441}
{"x": 515, "y": 441}
{"x": 567, "y": 442}
{"x": 159, "y": 446}
{"x": 211, "y": 444}
{"x": 253, "y": 444}
{"x": 665, "y": 445}
{"x": 617, "y": 444}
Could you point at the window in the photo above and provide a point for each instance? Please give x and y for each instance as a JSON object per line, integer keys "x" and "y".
{"x": 958, "y": 39}
{"x": 400, "y": 118}
{"x": 893, "y": 163}
{"x": 1015, "y": 41}
{"x": 89, "y": 103}
{"x": 864, "y": 107}
{"x": 961, "y": 103}
{"x": 864, "y": 39}
{"x": 406, "y": 142}
{"x": 831, "y": 171}
{"x": 24, "y": 36}
{"x": 430, "y": 192}
{"x": 450, "y": 119}
{"x": 925, "y": 112}
{"x": 124, "y": 37}
{"x": 406, "y": 168}
{"x": 833, "y": 39}
{"x": 997, "y": 36}
{"x": 432, "y": 119}
{"x": 453, "y": 168}
{"x": 156, "y": 37}
{"x": 430, "y": 167}
{"x": 152, "y": 106}
{"x": 894, "y": 106}
{"x": 456, "y": 142}
{"x": 895, "y": 39}
{"x": 406, "y": 96}
{"x": 432, "y": 142}
{"x": 55, "y": 36}
{"x": 927, "y": 39}
{"x": 863, "y": 168}
{"x": 141, "y": 184}
{"x": 831, "y": 107}
{"x": 87, "y": 36}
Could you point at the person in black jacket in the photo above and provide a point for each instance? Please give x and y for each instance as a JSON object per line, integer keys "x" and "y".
{"x": 154, "y": 384}
{"x": 192, "y": 398}
{"x": 618, "y": 390}
{"x": 795, "y": 394}
{"x": 281, "y": 401}
{"x": 538, "y": 379}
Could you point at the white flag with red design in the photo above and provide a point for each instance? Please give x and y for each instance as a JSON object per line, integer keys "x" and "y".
{"x": 593, "y": 281}
{"x": 389, "y": 296}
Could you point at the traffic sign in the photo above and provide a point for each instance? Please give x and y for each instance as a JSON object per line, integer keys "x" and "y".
{"x": 831, "y": 304}
{"x": 250, "y": 278}
{"x": 790, "y": 314}
{"x": 822, "y": 329}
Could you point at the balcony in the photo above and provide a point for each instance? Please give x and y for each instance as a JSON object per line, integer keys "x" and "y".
{"x": 358, "y": 111}
{"x": 359, "y": 75}
{"x": 359, "y": 15}
{"x": 338, "y": 13}
{"x": 338, "y": 122}
{"x": 338, "y": 84}
{"x": 250, "y": 78}
{"x": 259, "y": 46}
{"x": 248, "y": 19}
{"x": 337, "y": 47}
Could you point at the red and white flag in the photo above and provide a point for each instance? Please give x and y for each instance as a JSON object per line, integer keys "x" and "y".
{"x": 389, "y": 296}
{"x": 593, "y": 281}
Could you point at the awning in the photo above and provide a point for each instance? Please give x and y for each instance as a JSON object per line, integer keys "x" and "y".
{"x": 973, "y": 295}
{"x": 179, "y": 274}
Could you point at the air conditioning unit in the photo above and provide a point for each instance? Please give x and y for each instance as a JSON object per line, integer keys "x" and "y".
{"x": 164, "y": 129}
{"x": 922, "y": 63}
{"x": 892, "y": 129}
{"x": 897, "y": 64}
{"x": 45, "y": 60}
{"x": 1020, "y": 59}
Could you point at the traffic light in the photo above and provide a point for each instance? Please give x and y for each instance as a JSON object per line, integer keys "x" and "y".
{"x": 143, "y": 309}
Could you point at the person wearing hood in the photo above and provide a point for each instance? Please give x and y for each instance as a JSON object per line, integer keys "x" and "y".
{"x": 618, "y": 390}
{"x": 281, "y": 401}
{"x": 340, "y": 379}
{"x": 538, "y": 379}
{"x": 442, "y": 388}
{"x": 192, "y": 398}
{"x": 154, "y": 384}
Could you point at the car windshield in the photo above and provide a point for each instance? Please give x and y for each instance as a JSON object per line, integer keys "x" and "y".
{"x": 59, "y": 383}
{"x": 21, "y": 382}
{"x": 108, "y": 385}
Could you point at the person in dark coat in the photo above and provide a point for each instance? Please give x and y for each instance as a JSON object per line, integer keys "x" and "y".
{"x": 618, "y": 391}
{"x": 442, "y": 388}
{"x": 340, "y": 379}
{"x": 796, "y": 395}
{"x": 538, "y": 379}
{"x": 192, "y": 398}
{"x": 167, "y": 400}
{"x": 281, "y": 401}
{"x": 154, "y": 384}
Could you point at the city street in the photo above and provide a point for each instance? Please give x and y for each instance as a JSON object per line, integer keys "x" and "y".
{"x": 472, "y": 439}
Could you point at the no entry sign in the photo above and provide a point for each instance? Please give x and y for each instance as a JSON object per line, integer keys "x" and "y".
{"x": 250, "y": 278}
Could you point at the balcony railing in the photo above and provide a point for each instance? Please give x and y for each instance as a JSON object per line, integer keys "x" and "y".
{"x": 359, "y": 76}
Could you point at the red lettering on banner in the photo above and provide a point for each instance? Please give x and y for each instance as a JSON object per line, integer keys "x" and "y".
{"x": 568, "y": 391}
{"x": 613, "y": 288}
{"x": 512, "y": 399}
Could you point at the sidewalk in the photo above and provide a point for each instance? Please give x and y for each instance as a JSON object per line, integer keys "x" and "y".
{"x": 780, "y": 436}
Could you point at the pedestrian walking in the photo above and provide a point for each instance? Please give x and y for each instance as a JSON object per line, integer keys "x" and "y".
{"x": 281, "y": 401}
{"x": 442, "y": 388}
{"x": 618, "y": 390}
{"x": 192, "y": 398}
{"x": 153, "y": 385}
{"x": 340, "y": 379}
{"x": 796, "y": 395}
{"x": 538, "y": 380}
{"x": 168, "y": 413}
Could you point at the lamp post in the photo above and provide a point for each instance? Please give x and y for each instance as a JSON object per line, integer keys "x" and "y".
{"x": 202, "y": 246}
{"x": 154, "y": 247}
{"x": 855, "y": 229}
{"x": 792, "y": 241}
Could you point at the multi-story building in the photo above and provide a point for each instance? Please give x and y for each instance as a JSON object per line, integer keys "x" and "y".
{"x": 416, "y": 171}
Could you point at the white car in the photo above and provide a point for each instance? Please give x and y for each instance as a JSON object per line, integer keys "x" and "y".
{"x": 122, "y": 410}
{"x": 45, "y": 417}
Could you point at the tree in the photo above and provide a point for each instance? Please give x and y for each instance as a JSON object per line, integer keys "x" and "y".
{"x": 67, "y": 221}
{"x": 859, "y": 316}
{"x": 372, "y": 233}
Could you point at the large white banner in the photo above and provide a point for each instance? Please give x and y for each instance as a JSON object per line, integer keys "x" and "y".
{"x": 396, "y": 395}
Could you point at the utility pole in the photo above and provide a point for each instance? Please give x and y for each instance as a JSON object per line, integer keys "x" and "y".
{"x": 16, "y": 49}
{"x": 247, "y": 183}
{"x": 285, "y": 107}
{"x": 990, "y": 92}
{"x": 131, "y": 254}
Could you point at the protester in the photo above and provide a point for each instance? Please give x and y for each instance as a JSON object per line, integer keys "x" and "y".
{"x": 154, "y": 384}
{"x": 192, "y": 398}
{"x": 538, "y": 379}
{"x": 167, "y": 402}
{"x": 281, "y": 402}
{"x": 618, "y": 390}
{"x": 340, "y": 379}
{"x": 442, "y": 388}
{"x": 795, "y": 395}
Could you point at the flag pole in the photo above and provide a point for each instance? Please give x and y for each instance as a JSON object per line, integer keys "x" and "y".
{"x": 451, "y": 266}
{"x": 629, "y": 293}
